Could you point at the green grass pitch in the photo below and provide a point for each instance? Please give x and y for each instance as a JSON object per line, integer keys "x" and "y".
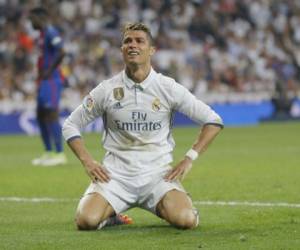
{"x": 255, "y": 164}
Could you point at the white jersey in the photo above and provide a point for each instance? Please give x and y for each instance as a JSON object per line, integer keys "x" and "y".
{"x": 138, "y": 119}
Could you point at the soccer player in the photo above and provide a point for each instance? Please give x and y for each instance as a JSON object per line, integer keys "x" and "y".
{"x": 50, "y": 84}
{"x": 137, "y": 106}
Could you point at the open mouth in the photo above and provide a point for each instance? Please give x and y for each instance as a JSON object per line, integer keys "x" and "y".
{"x": 133, "y": 53}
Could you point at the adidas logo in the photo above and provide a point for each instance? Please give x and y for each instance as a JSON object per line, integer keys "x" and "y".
{"x": 117, "y": 105}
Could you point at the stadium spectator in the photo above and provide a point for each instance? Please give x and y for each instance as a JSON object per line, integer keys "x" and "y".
{"x": 232, "y": 41}
{"x": 137, "y": 106}
{"x": 50, "y": 84}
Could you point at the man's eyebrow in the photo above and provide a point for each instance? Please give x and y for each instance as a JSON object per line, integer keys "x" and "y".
{"x": 137, "y": 37}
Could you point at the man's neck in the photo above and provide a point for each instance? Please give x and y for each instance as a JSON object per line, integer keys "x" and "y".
{"x": 138, "y": 74}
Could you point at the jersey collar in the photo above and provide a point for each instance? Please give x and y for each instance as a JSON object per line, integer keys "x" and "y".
{"x": 143, "y": 85}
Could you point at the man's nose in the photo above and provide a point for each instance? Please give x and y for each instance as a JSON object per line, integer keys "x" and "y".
{"x": 132, "y": 44}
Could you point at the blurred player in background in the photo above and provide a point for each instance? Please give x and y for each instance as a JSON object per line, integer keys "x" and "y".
{"x": 50, "y": 84}
{"x": 137, "y": 107}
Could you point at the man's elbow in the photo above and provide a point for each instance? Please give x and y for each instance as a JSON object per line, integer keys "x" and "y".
{"x": 70, "y": 131}
{"x": 217, "y": 124}
{"x": 67, "y": 129}
{"x": 64, "y": 129}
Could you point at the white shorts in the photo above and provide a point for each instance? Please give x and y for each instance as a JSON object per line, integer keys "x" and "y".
{"x": 144, "y": 191}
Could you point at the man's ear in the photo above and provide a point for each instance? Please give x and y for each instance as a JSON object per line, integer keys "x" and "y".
{"x": 152, "y": 50}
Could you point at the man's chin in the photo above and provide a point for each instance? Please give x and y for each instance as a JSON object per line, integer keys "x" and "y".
{"x": 132, "y": 63}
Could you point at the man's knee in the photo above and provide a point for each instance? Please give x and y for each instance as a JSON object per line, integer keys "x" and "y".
{"x": 186, "y": 219}
{"x": 177, "y": 208}
{"x": 87, "y": 221}
{"x": 91, "y": 211}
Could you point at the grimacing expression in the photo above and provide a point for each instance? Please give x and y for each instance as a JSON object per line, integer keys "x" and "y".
{"x": 136, "y": 47}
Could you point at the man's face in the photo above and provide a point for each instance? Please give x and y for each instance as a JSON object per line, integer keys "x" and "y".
{"x": 35, "y": 22}
{"x": 136, "y": 47}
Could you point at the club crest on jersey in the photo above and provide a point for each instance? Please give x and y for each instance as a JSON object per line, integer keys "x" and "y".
{"x": 156, "y": 104}
{"x": 88, "y": 103}
{"x": 118, "y": 93}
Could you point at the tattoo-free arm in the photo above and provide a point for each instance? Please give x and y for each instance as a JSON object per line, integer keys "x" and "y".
{"x": 94, "y": 170}
{"x": 207, "y": 134}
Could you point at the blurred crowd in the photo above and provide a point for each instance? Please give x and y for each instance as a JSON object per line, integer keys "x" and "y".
{"x": 218, "y": 49}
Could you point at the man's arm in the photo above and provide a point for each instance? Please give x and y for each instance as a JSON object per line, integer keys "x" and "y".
{"x": 87, "y": 112}
{"x": 206, "y": 136}
{"x": 46, "y": 73}
{"x": 94, "y": 170}
{"x": 185, "y": 102}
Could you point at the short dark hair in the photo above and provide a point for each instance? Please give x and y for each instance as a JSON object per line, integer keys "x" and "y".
{"x": 140, "y": 27}
{"x": 39, "y": 11}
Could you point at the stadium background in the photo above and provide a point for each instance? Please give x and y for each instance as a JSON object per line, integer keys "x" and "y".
{"x": 241, "y": 57}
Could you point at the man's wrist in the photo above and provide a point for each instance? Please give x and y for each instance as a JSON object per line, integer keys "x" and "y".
{"x": 192, "y": 154}
{"x": 86, "y": 160}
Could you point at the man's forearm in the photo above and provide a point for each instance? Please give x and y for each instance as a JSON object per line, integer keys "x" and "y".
{"x": 80, "y": 150}
{"x": 207, "y": 135}
{"x": 58, "y": 59}
{"x": 93, "y": 169}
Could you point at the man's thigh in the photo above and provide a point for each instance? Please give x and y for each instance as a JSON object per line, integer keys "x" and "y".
{"x": 176, "y": 207}
{"x": 156, "y": 190}
{"x": 116, "y": 192}
{"x": 173, "y": 202}
{"x": 92, "y": 209}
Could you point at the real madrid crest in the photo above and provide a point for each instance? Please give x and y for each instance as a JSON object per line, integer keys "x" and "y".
{"x": 156, "y": 104}
{"x": 118, "y": 93}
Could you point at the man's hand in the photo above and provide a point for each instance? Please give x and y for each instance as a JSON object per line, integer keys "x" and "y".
{"x": 94, "y": 169}
{"x": 96, "y": 172}
{"x": 44, "y": 74}
{"x": 179, "y": 171}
